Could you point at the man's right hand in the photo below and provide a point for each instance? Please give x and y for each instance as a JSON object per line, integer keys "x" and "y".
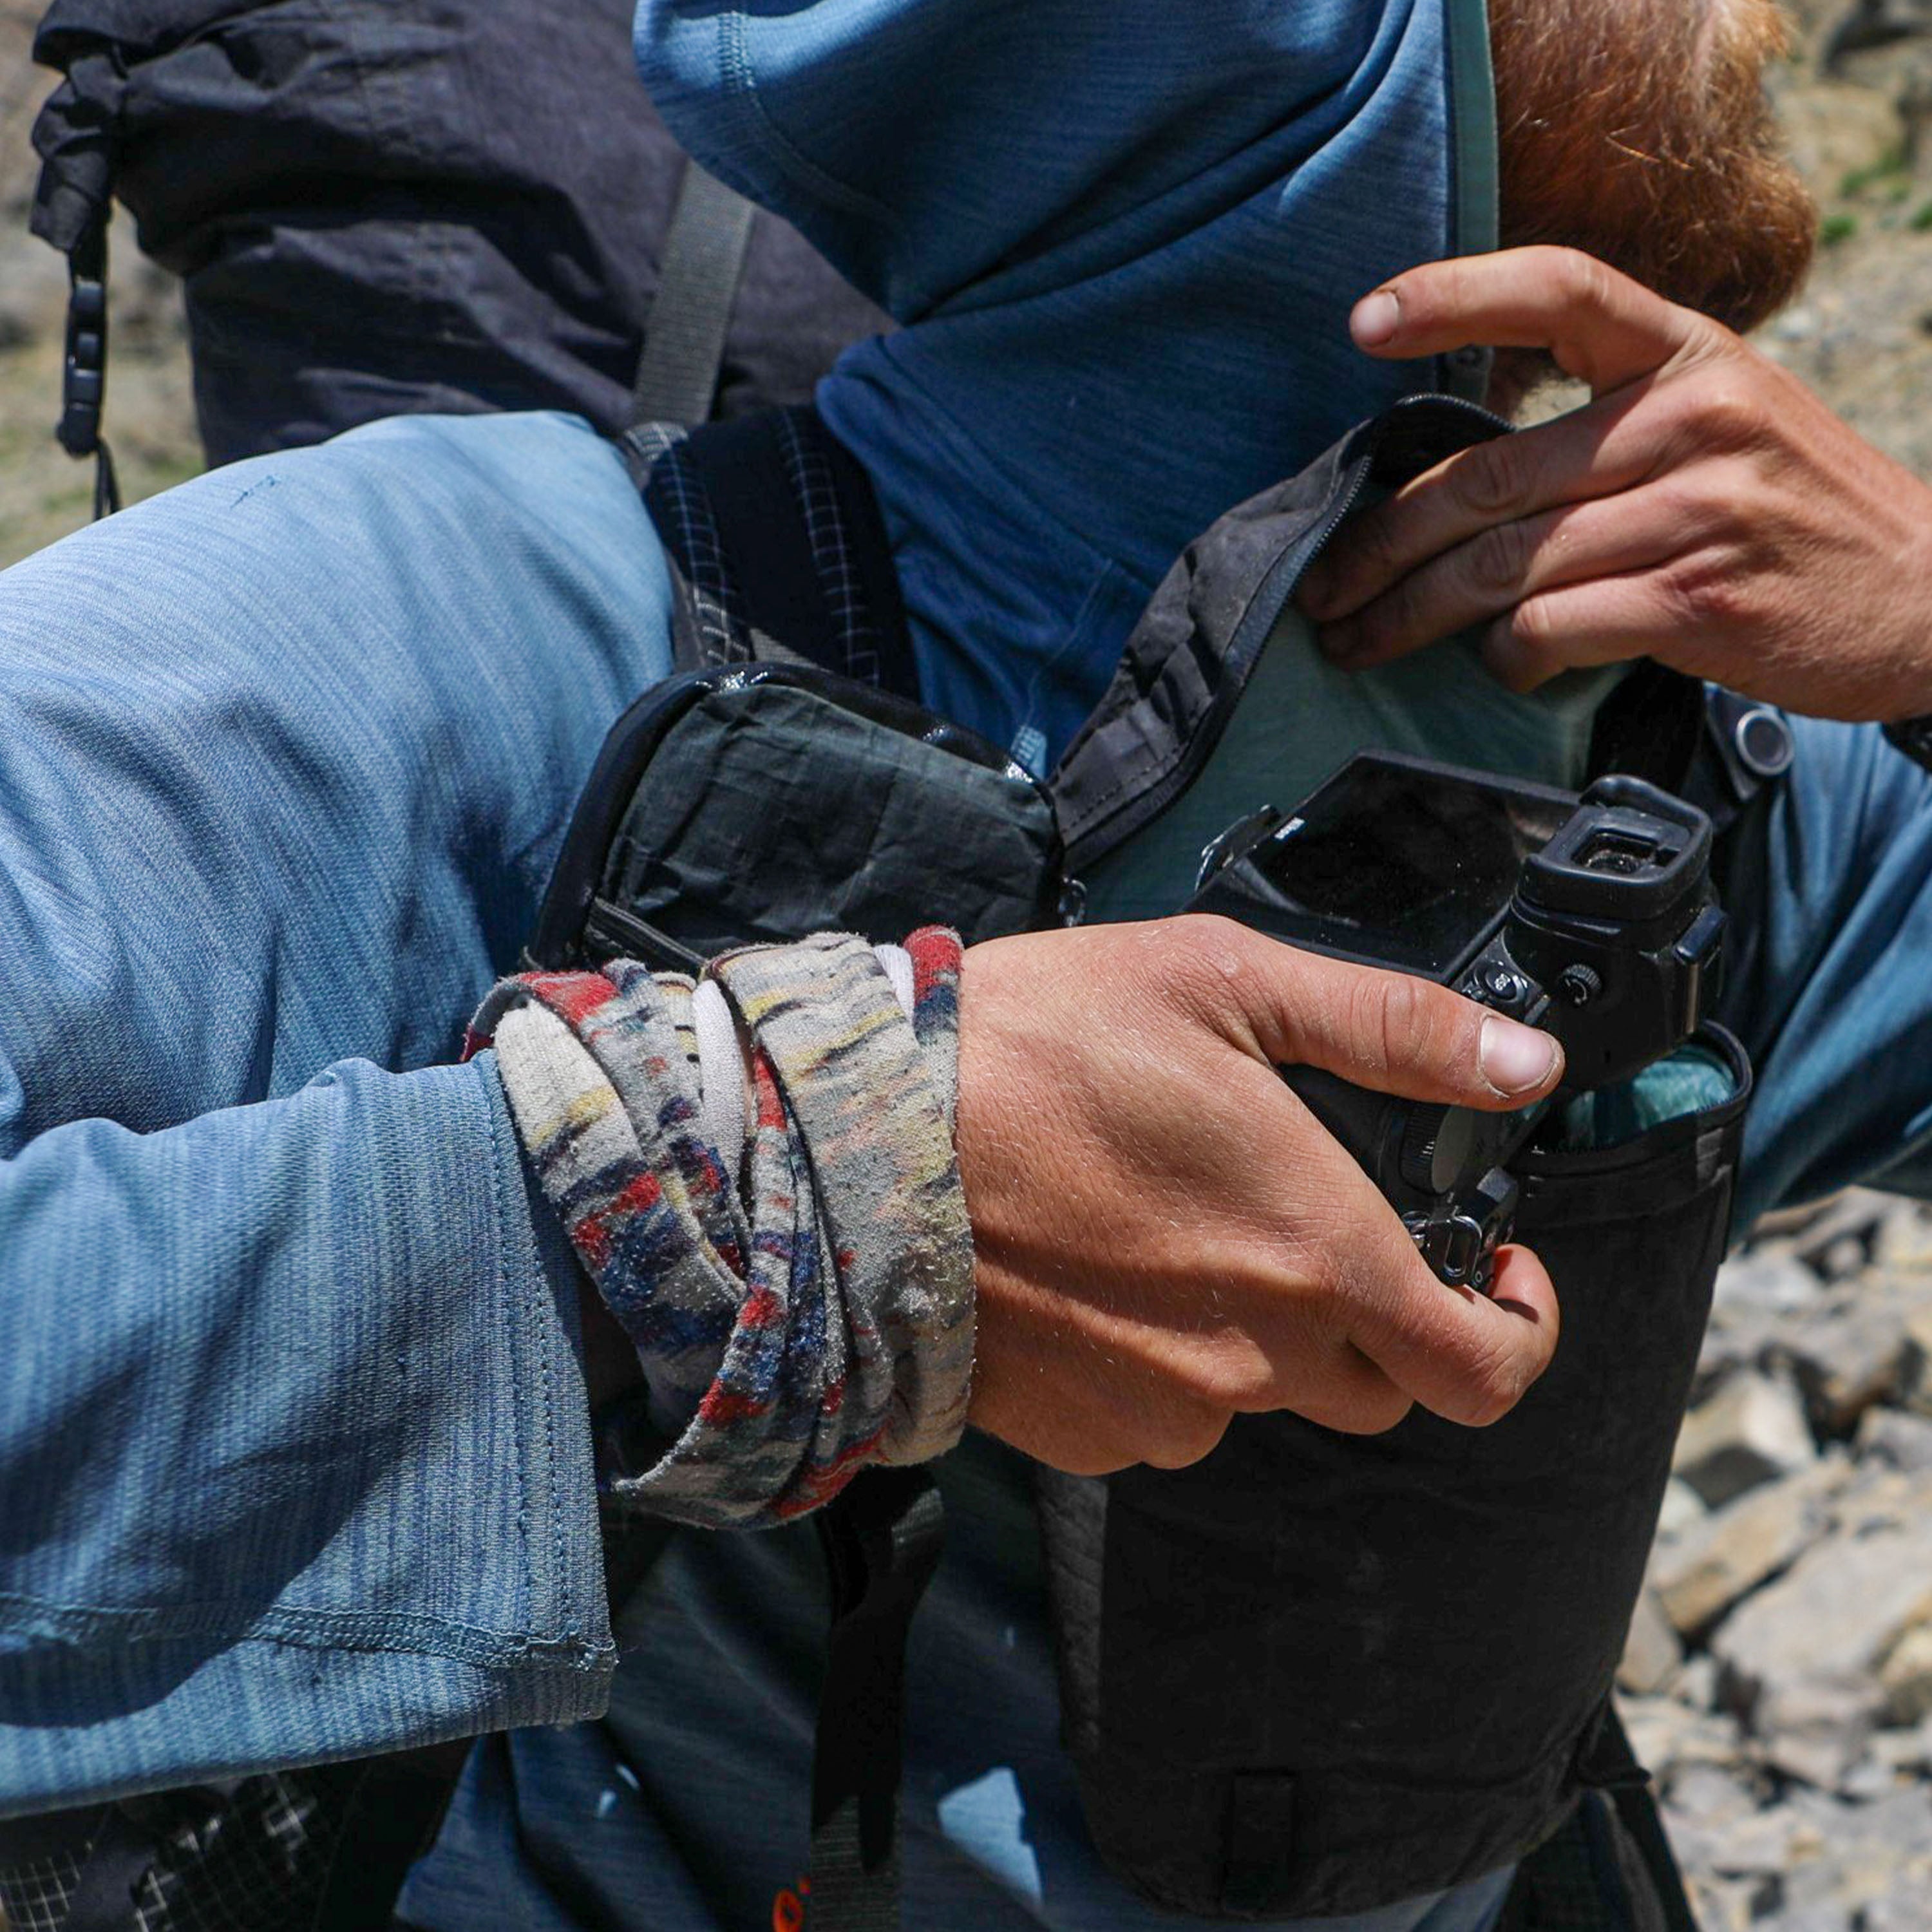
{"x": 1166, "y": 1238}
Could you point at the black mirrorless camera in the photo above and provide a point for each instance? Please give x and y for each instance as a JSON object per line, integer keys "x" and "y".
{"x": 1593, "y": 917}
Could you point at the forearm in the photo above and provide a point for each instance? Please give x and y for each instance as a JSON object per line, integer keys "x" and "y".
{"x": 295, "y": 1461}
{"x": 1830, "y": 891}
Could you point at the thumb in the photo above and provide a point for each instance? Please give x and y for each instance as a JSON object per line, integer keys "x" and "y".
{"x": 1386, "y": 1030}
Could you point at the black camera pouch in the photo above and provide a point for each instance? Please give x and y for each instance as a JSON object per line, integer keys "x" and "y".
{"x": 1316, "y": 1672}
{"x": 786, "y": 781}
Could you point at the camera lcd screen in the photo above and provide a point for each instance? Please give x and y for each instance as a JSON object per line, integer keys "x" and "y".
{"x": 1401, "y": 865}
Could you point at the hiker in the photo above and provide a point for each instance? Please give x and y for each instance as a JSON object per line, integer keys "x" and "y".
{"x": 291, "y": 751}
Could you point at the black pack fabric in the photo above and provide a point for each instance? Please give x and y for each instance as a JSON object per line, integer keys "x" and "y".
{"x": 1318, "y": 1673}
{"x": 786, "y": 781}
{"x": 324, "y": 1850}
{"x": 387, "y": 206}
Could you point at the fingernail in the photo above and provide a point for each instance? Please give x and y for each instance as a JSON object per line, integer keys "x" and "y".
{"x": 1376, "y": 318}
{"x": 1516, "y": 1059}
{"x": 1317, "y": 580}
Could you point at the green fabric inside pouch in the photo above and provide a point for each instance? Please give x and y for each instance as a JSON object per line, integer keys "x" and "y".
{"x": 1690, "y": 1081}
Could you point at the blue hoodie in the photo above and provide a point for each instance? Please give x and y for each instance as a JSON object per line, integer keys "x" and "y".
{"x": 1095, "y": 215}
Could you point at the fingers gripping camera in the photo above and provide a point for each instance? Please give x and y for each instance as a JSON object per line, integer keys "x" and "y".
{"x": 1592, "y": 916}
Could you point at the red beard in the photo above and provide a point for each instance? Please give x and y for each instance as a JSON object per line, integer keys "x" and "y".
{"x": 1638, "y": 130}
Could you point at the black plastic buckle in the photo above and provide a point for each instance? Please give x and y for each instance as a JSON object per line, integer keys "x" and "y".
{"x": 84, "y": 368}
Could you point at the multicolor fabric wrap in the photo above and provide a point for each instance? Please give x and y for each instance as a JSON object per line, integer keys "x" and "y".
{"x": 802, "y": 1311}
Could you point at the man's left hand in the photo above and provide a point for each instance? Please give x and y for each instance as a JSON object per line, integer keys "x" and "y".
{"x": 1704, "y": 509}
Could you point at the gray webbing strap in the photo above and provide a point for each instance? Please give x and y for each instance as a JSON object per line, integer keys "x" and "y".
{"x": 684, "y": 338}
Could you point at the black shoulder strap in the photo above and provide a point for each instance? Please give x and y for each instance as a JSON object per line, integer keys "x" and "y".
{"x": 691, "y": 314}
{"x": 780, "y": 551}
{"x": 1707, "y": 744}
{"x": 1649, "y": 726}
{"x": 1610, "y": 1868}
{"x": 882, "y": 1538}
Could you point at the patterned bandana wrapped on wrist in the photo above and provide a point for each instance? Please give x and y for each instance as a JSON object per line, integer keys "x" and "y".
{"x": 802, "y": 1306}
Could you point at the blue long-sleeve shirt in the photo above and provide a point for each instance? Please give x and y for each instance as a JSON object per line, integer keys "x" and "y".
{"x": 294, "y": 1450}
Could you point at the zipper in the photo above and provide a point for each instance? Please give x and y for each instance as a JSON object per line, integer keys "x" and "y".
{"x": 609, "y": 930}
{"x": 1244, "y": 651}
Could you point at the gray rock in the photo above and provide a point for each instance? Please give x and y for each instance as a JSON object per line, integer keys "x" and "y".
{"x": 1877, "y": 1498}
{"x": 1802, "y": 1657}
{"x": 1906, "y": 1677}
{"x": 1708, "y": 1795}
{"x": 1906, "y": 1754}
{"x": 1906, "y": 1910}
{"x": 1700, "y": 1574}
{"x": 1862, "y": 1352}
{"x": 1668, "y": 1738}
{"x": 1903, "y": 1824}
{"x": 1915, "y": 1291}
{"x": 1767, "y": 1842}
{"x": 1767, "y": 1281}
{"x": 1875, "y": 1855}
{"x": 1682, "y": 1507}
{"x": 1905, "y": 1238}
{"x": 1752, "y": 1430}
{"x": 1725, "y": 1905}
{"x": 1816, "y": 1727}
{"x": 1840, "y": 1241}
{"x": 1652, "y": 1652}
{"x": 1871, "y": 1778}
{"x": 1844, "y": 1606}
{"x": 1696, "y": 1683}
{"x": 1817, "y": 1918}
{"x": 1893, "y": 1438}
{"x": 1735, "y": 1344}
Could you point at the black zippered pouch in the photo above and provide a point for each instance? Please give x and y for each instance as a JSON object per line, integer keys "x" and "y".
{"x": 759, "y": 803}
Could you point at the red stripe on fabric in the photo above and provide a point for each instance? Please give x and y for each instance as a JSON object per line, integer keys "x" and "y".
{"x": 765, "y": 1081}
{"x": 592, "y": 1232}
{"x": 722, "y": 1406}
{"x": 935, "y": 953}
{"x": 817, "y": 1487}
{"x": 572, "y": 997}
{"x": 761, "y": 1309}
{"x": 592, "y": 1240}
